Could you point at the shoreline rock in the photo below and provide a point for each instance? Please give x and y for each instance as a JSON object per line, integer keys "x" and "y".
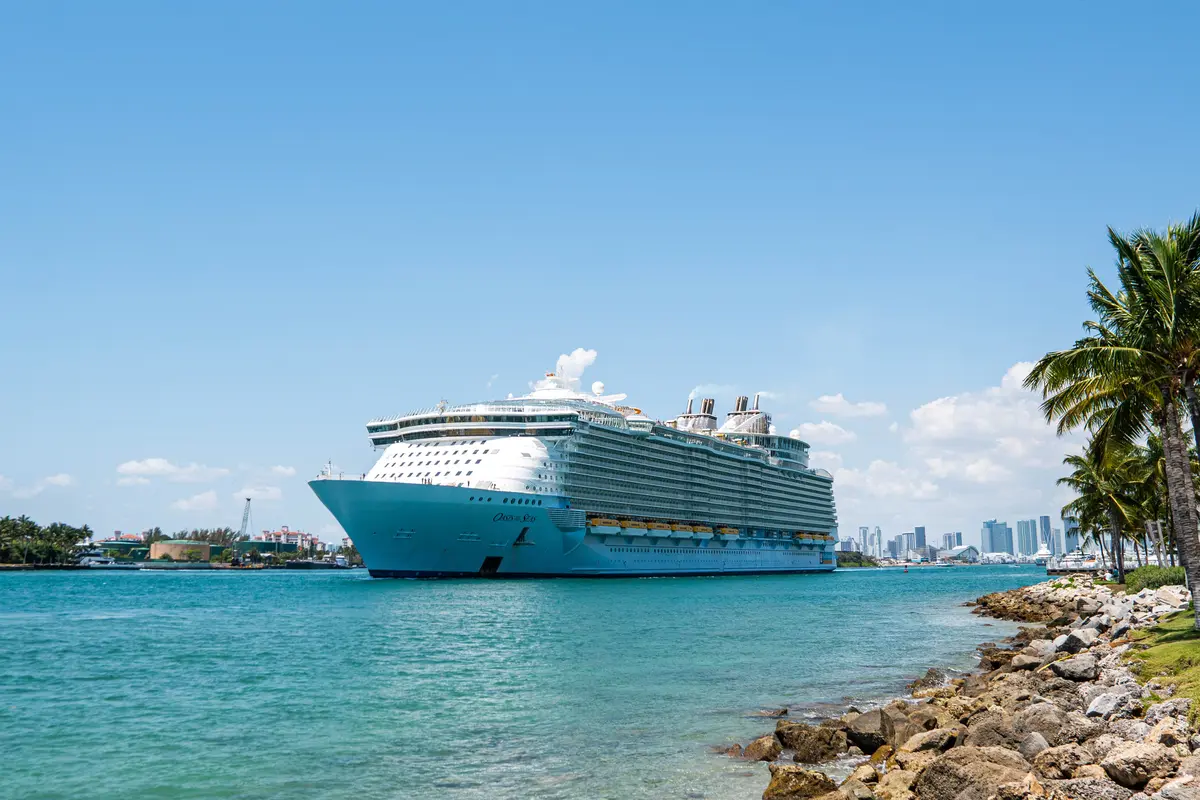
{"x": 1052, "y": 713}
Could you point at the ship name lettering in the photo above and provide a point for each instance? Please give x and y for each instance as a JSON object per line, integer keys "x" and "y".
{"x": 502, "y": 517}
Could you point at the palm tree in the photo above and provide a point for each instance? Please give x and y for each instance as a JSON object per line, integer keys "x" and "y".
{"x": 1138, "y": 361}
{"x": 1108, "y": 483}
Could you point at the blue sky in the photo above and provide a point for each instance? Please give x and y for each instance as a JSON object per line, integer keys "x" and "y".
{"x": 230, "y": 234}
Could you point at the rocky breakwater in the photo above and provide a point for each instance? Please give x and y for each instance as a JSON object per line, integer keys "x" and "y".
{"x": 1056, "y": 714}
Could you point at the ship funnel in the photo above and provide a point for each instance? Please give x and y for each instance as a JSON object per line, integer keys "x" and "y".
{"x": 706, "y": 405}
{"x": 756, "y": 401}
{"x": 741, "y": 403}
{"x": 689, "y": 409}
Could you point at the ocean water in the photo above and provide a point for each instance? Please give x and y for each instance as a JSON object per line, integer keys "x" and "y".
{"x": 333, "y": 685}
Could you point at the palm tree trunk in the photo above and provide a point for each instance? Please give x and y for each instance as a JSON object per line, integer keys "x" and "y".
{"x": 1189, "y": 388}
{"x": 1182, "y": 493}
{"x": 1118, "y": 542}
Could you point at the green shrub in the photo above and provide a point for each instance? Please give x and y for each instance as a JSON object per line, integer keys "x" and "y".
{"x": 1151, "y": 577}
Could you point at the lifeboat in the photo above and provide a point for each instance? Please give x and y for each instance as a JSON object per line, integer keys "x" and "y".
{"x": 702, "y": 532}
{"x": 727, "y": 533}
{"x": 633, "y": 525}
{"x": 603, "y": 525}
{"x": 680, "y": 531}
{"x": 658, "y": 526}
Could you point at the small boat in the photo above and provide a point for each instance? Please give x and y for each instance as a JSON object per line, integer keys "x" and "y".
{"x": 728, "y": 533}
{"x": 658, "y": 528}
{"x": 633, "y": 526}
{"x": 679, "y": 531}
{"x": 105, "y": 562}
{"x": 604, "y": 525}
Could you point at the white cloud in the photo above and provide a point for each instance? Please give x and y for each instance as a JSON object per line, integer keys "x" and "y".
{"x": 162, "y": 468}
{"x": 59, "y": 480}
{"x": 492, "y": 380}
{"x": 205, "y": 501}
{"x": 839, "y": 406}
{"x": 571, "y": 366}
{"x": 259, "y": 493}
{"x": 886, "y": 479}
{"x": 286, "y": 472}
{"x": 823, "y": 432}
{"x": 895, "y": 426}
{"x": 824, "y": 459}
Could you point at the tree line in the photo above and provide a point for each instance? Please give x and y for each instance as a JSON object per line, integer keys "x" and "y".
{"x": 23, "y": 541}
{"x": 1130, "y": 383}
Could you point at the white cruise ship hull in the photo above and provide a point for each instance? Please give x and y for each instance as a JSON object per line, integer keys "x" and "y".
{"x": 405, "y": 530}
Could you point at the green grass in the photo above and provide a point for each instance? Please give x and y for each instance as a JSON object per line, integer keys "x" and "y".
{"x": 1152, "y": 577}
{"x": 1170, "y": 651}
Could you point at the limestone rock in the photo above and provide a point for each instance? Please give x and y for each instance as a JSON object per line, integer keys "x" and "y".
{"x": 1062, "y": 761}
{"x": 1190, "y": 766}
{"x": 970, "y": 773}
{"x": 1029, "y": 787}
{"x": 1178, "y": 707}
{"x": 1040, "y": 648}
{"x": 764, "y": 748}
{"x": 1133, "y": 730}
{"x": 1091, "y": 771}
{"x": 871, "y": 731}
{"x": 939, "y": 739}
{"x": 1092, "y": 789}
{"x": 930, "y": 680}
{"x": 1079, "y": 639}
{"x": 1112, "y": 705}
{"x": 1056, "y": 725}
{"x": 853, "y": 789}
{"x": 813, "y": 744}
{"x": 915, "y": 762}
{"x": 1078, "y": 668}
{"x": 992, "y": 728}
{"x": 896, "y": 785}
{"x": 865, "y": 774}
{"x": 1023, "y": 661}
{"x": 1032, "y": 744}
{"x": 1132, "y": 764}
{"x": 1100, "y": 746}
{"x": 1186, "y": 788}
{"x": 734, "y": 750}
{"x": 1169, "y": 731}
{"x": 789, "y": 782}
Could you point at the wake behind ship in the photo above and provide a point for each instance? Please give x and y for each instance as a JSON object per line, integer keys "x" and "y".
{"x": 561, "y": 483}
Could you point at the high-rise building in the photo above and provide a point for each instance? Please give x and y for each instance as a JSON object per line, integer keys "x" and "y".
{"x": 948, "y": 541}
{"x": 1044, "y": 532}
{"x": 1027, "y": 537}
{"x": 1056, "y": 542}
{"x": 864, "y": 539}
{"x": 910, "y": 542}
{"x": 958, "y": 539}
{"x": 849, "y": 545}
{"x": 892, "y": 548}
{"x": 1070, "y": 534}
{"x": 879, "y": 547}
{"x": 919, "y": 533}
{"x": 996, "y": 537}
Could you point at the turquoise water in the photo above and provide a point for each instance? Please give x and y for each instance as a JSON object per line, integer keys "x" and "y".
{"x": 332, "y": 685}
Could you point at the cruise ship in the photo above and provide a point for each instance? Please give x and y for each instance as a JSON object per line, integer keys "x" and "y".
{"x": 562, "y": 483}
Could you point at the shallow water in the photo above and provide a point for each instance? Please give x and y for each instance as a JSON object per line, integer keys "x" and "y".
{"x": 332, "y": 685}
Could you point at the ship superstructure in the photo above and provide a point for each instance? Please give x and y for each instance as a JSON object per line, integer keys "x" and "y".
{"x": 563, "y": 483}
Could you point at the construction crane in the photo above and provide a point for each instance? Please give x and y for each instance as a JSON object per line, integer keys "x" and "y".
{"x": 245, "y": 521}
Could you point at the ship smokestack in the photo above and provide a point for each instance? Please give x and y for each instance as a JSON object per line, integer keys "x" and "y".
{"x": 741, "y": 403}
{"x": 706, "y": 405}
{"x": 756, "y": 401}
{"x": 689, "y": 410}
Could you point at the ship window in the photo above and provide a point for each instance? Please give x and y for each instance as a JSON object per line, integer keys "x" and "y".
{"x": 458, "y": 473}
{"x": 489, "y": 499}
{"x": 472, "y": 499}
{"x": 476, "y": 452}
{"x": 505, "y": 500}
{"x": 478, "y": 460}
{"x": 470, "y": 471}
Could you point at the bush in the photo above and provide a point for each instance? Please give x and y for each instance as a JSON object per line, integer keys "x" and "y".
{"x": 1151, "y": 577}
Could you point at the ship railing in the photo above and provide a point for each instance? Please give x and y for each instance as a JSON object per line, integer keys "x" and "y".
{"x": 341, "y": 476}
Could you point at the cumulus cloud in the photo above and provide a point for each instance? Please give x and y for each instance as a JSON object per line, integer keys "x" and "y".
{"x": 205, "y": 501}
{"x": 981, "y": 453}
{"x": 886, "y": 479}
{"x": 823, "y": 432}
{"x": 839, "y": 406}
{"x": 825, "y": 459}
{"x": 286, "y": 472}
{"x": 162, "y": 468}
{"x": 259, "y": 493}
{"x": 570, "y": 366}
{"x": 58, "y": 480}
